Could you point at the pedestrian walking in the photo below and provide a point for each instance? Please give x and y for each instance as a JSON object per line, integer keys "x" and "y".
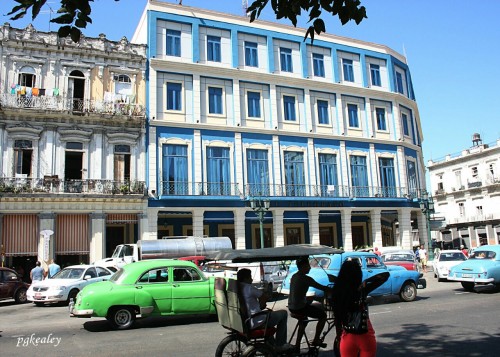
{"x": 37, "y": 273}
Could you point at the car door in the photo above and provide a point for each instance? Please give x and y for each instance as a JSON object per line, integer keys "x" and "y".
{"x": 190, "y": 291}
{"x": 372, "y": 265}
{"x": 156, "y": 284}
{"x": 4, "y": 287}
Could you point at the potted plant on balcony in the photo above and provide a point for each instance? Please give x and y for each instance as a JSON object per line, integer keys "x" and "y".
{"x": 125, "y": 188}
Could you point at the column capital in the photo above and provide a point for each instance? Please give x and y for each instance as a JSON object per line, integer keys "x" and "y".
{"x": 97, "y": 215}
{"x": 46, "y": 215}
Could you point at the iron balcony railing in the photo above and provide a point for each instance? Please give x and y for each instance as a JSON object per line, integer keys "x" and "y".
{"x": 59, "y": 103}
{"x": 185, "y": 188}
{"x": 53, "y": 185}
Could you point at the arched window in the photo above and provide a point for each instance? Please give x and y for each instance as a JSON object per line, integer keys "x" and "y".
{"x": 27, "y": 77}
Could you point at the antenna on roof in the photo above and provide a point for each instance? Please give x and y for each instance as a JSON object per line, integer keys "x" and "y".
{"x": 244, "y": 4}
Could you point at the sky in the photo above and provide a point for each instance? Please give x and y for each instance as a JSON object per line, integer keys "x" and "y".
{"x": 452, "y": 48}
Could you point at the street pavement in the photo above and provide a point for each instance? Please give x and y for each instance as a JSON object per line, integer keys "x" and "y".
{"x": 443, "y": 321}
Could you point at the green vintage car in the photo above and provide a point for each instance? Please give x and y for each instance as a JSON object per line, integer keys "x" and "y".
{"x": 147, "y": 288}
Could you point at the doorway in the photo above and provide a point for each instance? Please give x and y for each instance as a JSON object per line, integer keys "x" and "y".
{"x": 114, "y": 235}
{"x": 76, "y": 90}
{"x": 358, "y": 237}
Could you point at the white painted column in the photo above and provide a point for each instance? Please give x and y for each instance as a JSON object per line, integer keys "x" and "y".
{"x": 198, "y": 222}
{"x": 276, "y": 179}
{"x": 422, "y": 227}
{"x": 308, "y": 110}
{"x": 490, "y": 234}
{"x": 314, "y": 225}
{"x": 398, "y": 134}
{"x": 198, "y": 158}
{"x": 342, "y": 130}
{"x": 369, "y": 118}
{"x": 236, "y": 103}
{"x": 404, "y": 217}
{"x": 373, "y": 177}
{"x": 238, "y": 161}
{"x": 239, "y": 228}
{"x": 311, "y": 156}
{"x": 154, "y": 153}
{"x": 279, "y": 234}
{"x": 345, "y": 215}
{"x": 143, "y": 228}
{"x": 474, "y": 238}
{"x": 344, "y": 179}
{"x": 97, "y": 159}
{"x": 274, "y": 106}
{"x": 97, "y": 243}
{"x": 375, "y": 216}
{"x": 47, "y": 222}
{"x": 152, "y": 222}
{"x": 401, "y": 180}
{"x": 196, "y": 98}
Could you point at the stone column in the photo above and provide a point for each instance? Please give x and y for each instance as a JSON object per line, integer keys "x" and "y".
{"x": 238, "y": 147}
{"x": 404, "y": 217}
{"x": 97, "y": 240}
{"x": 375, "y": 216}
{"x": 490, "y": 234}
{"x": 474, "y": 238}
{"x": 345, "y": 215}
{"x": 314, "y": 225}
{"x": 274, "y": 102}
{"x": 152, "y": 172}
{"x": 239, "y": 228}
{"x": 198, "y": 222}
{"x": 279, "y": 238}
{"x": 152, "y": 224}
{"x": 143, "y": 228}
{"x": 47, "y": 222}
{"x": 422, "y": 227}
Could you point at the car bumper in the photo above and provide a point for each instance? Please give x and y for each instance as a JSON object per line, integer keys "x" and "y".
{"x": 79, "y": 313}
{"x": 46, "y": 298}
{"x": 422, "y": 283}
{"x": 472, "y": 280}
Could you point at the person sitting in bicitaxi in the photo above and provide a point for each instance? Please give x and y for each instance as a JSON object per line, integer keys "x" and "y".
{"x": 255, "y": 301}
{"x": 298, "y": 303}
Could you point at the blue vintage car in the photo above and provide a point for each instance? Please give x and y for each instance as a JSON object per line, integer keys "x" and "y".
{"x": 482, "y": 267}
{"x": 401, "y": 282}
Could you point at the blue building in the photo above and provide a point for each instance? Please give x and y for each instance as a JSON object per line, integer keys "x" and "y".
{"x": 325, "y": 134}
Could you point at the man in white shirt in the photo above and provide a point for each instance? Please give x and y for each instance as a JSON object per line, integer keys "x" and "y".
{"x": 422, "y": 254}
{"x": 255, "y": 301}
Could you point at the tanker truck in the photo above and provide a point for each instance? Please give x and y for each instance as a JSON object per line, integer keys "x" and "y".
{"x": 166, "y": 248}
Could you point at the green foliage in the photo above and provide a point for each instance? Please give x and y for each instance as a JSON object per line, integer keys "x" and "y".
{"x": 346, "y": 10}
{"x": 75, "y": 14}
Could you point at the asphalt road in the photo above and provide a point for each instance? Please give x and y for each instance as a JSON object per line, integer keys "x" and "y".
{"x": 443, "y": 321}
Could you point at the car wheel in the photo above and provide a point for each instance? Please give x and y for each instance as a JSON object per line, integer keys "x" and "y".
{"x": 20, "y": 296}
{"x": 232, "y": 345}
{"x": 72, "y": 295}
{"x": 121, "y": 318}
{"x": 408, "y": 292}
{"x": 468, "y": 286}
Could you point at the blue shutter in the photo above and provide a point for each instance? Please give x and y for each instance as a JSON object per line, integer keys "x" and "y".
{"x": 251, "y": 57}
{"x": 348, "y": 70}
{"x": 380, "y": 114}
{"x": 387, "y": 178}
{"x": 258, "y": 173}
{"x": 174, "y": 92}
{"x": 175, "y": 169}
{"x": 328, "y": 174}
{"x": 215, "y": 100}
{"x": 359, "y": 176}
{"x": 323, "y": 117}
{"x": 289, "y": 107}
{"x": 375, "y": 74}
{"x": 253, "y": 99}
{"x": 318, "y": 65}
{"x": 218, "y": 171}
{"x": 294, "y": 173}
{"x": 352, "y": 110}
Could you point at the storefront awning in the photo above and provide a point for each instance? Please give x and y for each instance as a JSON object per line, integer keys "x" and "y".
{"x": 72, "y": 234}
{"x": 20, "y": 234}
{"x": 121, "y": 218}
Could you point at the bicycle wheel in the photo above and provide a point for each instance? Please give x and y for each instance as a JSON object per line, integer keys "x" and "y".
{"x": 232, "y": 345}
{"x": 259, "y": 350}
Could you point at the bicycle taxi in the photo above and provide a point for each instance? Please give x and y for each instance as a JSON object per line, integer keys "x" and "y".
{"x": 240, "y": 339}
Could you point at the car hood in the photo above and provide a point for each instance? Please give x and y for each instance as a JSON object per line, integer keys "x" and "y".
{"x": 56, "y": 282}
{"x": 449, "y": 264}
{"x": 475, "y": 265}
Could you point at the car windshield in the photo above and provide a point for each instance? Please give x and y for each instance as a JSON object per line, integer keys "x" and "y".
{"x": 319, "y": 262}
{"x": 448, "y": 257}
{"x": 397, "y": 257}
{"x": 69, "y": 273}
{"x": 483, "y": 254}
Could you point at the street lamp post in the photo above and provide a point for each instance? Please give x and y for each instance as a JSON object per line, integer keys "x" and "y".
{"x": 427, "y": 207}
{"x": 260, "y": 207}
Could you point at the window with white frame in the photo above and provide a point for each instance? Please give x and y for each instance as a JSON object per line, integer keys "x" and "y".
{"x": 286, "y": 59}
{"x": 323, "y": 106}
{"x": 294, "y": 173}
{"x": 352, "y": 114}
{"x": 318, "y": 65}
{"x": 474, "y": 172}
{"x": 174, "y": 96}
{"x": 27, "y": 77}
{"x": 215, "y": 100}
{"x": 458, "y": 179}
{"x": 289, "y": 108}
{"x": 375, "y": 74}
{"x": 251, "y": 54}
{"x": 461, "y": 209}
{"x": 173, "y": 43}
{"x": 213, "y": 49}
{"x": 123, "y": 84}
{"x": 121, "y": 163}
{"x": 257, "y": 172}
{"x": 381, "y": 121}
{"x": 174, "y": 175}
{"x": 253, "y": 104}
{"x": 23, "y": 156}
{"x": 218, "y": 171}
{"x": 406, "y": 127}
{"x": 348, "y": 70}
{"x": 399, "y": 83}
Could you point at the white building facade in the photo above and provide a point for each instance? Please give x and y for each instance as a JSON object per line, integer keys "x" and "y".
{"x": 72, "y": 139}
{"x": 466, "y": 189}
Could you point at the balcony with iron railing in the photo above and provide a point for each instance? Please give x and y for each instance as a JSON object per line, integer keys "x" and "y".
{"x": 54, "y": 185}
{"x": 71, "y": 105}
{"x": 184, "y": 188}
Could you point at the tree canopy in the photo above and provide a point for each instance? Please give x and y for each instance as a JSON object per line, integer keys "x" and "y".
{"x": 74, "y": 15}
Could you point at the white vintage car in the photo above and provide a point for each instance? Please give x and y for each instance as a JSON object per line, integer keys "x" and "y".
{"x": 444, "y": 261}
{"x": 66, "y": 284}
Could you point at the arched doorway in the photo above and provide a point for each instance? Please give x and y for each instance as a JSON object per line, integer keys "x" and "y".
{"x": 76, "y": 90}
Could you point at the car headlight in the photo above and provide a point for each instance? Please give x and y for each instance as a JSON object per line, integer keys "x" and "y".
{"x": 60, "y": 287}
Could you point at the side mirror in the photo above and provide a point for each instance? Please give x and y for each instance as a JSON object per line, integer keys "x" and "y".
{"x": 87, "y": 277}
{"x": 13, "y": 278}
